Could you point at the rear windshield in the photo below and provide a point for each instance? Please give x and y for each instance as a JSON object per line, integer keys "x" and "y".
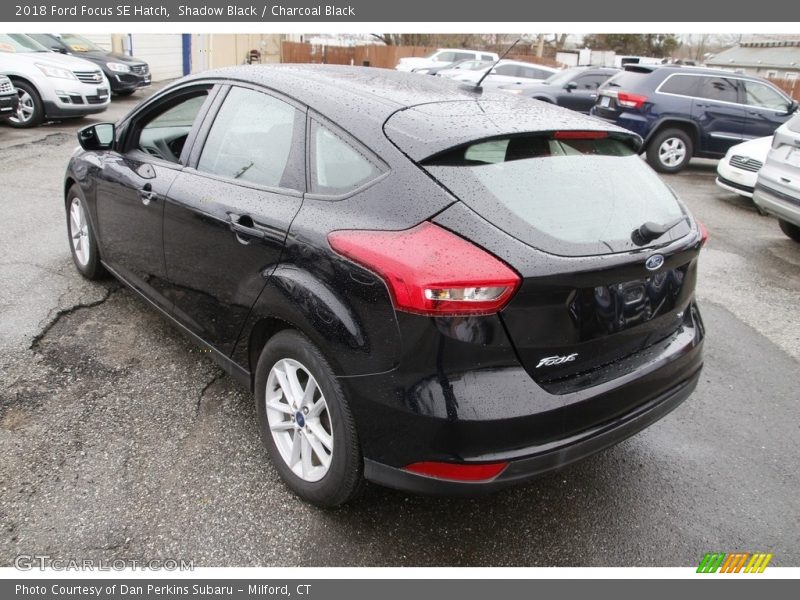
{"x": 627, "y": 80}
{"x": 572, "y": 197}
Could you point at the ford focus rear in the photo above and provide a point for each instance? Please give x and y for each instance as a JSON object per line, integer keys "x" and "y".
{"x": 424, "y": 286}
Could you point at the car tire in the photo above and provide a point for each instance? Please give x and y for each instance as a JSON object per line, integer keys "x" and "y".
{"x": 31, "y": 109}
{"x": 82, "y": 240}
{"x": 791, "y": 230}
{"x": 670, "y": 150}
{"x": 299, "y": 429}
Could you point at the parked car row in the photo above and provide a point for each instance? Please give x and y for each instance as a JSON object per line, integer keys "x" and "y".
{"x": 67, "y": 78}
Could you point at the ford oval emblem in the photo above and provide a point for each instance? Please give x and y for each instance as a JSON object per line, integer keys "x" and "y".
{"x": 654, "y": 263}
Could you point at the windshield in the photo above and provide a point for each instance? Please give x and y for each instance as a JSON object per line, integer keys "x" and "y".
{"x": 77, "y": 43}
{"x": 572, "y": 197}
{"x": 18, "y": 42}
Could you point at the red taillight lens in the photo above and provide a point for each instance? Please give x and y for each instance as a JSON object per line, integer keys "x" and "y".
{"x": 458, "y": 472}
{"x": 431, "y": 271}
{"x": 580, "y": 135}
{"x": 629, "y": 100}
{"x": 703, "y": 233}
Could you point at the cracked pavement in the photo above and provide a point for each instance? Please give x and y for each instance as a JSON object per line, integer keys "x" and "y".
{"x": 121, "y": 439}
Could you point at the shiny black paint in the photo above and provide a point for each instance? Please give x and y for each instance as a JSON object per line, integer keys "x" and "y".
{"x": 420, "y": 388}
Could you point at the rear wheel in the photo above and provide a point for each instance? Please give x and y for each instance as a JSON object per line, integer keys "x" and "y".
{"x": 670, "y": 150}
{"x": 30, "y": 112}
{"x": 305, "y": 421}
{"x": 791, "y": 230}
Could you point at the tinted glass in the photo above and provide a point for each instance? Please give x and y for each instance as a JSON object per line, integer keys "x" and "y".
{"x": 487, "y": 57}
{"x": 718, "y": 88}
{"x": 17, "y": 42}
{"x": 590, "y": 82}
{"x": 78, "y": 43}
{"x": 569, "y": 197}
{"x": 445, "y": 57}
{"x": 508, "y": 70}
{"x": 758, "y": 94}
{"x": 339, "y": 166}
{"x": 463, "y": 55}
{"x": 165, "y": 134}
{"x": 251, "y": 139}
{"x": 684, "y": 85}
{"x": 628, "y": 80}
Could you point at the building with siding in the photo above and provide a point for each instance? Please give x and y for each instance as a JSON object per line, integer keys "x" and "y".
{"x": 770, "y": 59}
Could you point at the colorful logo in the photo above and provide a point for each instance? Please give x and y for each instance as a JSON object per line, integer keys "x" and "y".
{"x": 737, "y": 562}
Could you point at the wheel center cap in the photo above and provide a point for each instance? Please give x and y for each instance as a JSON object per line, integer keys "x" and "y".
{"x": 300, "y": 419}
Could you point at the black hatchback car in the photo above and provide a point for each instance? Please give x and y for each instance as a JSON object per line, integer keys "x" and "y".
{"x": 425, "y": 287}
{"x": 683, "y": 112}
{"x": 574, "y": 88}
{"x": 125, "y": 74}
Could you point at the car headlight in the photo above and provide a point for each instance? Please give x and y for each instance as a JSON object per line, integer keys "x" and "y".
{"x": 56, "y": 72}
{"x": 118, "y": 67}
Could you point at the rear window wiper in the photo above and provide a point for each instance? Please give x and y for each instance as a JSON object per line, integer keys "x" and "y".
{"x": 647, "y": 232}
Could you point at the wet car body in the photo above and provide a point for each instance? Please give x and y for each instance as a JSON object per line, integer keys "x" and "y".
{"x": 454, "y": 389}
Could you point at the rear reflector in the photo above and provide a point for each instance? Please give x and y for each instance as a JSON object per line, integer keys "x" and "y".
{"x": 703, "y": 233}
{"x": 629, "y": 100}
{"x": 431, "y": 271}
{"x": 456, "y": 471}
{"x": 580, "y": 135}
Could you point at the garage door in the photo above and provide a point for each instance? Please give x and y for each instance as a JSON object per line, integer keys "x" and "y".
{"x": 162, "y": 51}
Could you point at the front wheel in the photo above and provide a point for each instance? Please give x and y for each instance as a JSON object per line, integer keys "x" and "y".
{"x": 81, "y": 236}
{"x": 30, "y": 112}
{"x": 791, "y": 230}
{"x": 670, "y": 151}
{"x": 305, "y": 421}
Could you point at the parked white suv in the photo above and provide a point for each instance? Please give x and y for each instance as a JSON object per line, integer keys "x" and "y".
{"x": 443, "y": 56}
{"x": 50, "y": 85}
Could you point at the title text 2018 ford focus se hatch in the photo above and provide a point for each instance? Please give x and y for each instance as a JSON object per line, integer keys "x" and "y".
{"x": 425, "y": 286}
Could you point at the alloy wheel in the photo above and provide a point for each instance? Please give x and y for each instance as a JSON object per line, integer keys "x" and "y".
{"x": 672, "y": 152}
{"x": 79, "y": 232}
{"x": 25, "y": 109}
{"x": 299, "y": 420}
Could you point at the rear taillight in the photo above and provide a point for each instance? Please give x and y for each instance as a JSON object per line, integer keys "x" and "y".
{"x": 703, "y": 233}
{"x": 629, "y": 100}
{"x": 431, "y": 271}
{"x": 458, "y": 471}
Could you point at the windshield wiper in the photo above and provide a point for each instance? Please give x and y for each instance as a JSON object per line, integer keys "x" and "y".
{"x": 647, "y": 232}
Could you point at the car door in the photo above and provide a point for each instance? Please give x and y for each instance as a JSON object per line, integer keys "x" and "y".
{"x": 133, "y": 184}
{"x": 718, "y": 111}
{"x": 229, "y": 211}
{"x": 767, "y": 109}
{"x": 582, "y": 96}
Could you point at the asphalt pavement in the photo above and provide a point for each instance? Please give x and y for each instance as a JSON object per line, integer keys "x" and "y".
{"x": 120, "y": 439}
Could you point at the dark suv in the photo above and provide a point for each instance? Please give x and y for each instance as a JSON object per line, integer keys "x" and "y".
{"x": 682, "y": 112}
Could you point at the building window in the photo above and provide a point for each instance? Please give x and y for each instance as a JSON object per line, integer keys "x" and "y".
{"x": 772, "y": 74}
{"x": 789, "y": 76}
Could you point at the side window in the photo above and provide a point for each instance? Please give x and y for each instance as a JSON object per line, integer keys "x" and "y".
{"x": 251, "y": 140}
{"x": 683, "y": 85}
{"x": 530, "y": 73}
{"x": 445, "y": 57}
{"x": 463, "y": 55}
{"x": 337, "y": 165}
{"x": 721, "y": 89}
{"x": 508, "y": 70}
{"x": 487, "y": 57}
{"x": 758, "y": 94}
{"x": 590, "y": 82}
{"x": 164, "y": 133}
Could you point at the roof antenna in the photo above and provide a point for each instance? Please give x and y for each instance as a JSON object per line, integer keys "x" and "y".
{"x": 490, "y": 69}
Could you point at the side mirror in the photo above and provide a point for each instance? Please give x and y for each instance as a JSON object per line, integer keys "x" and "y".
{"x": 571, "y": 86}
{"x": 59, "y": 49}
{"x": 97, "y": 137}
{"x": 792, "y": 107}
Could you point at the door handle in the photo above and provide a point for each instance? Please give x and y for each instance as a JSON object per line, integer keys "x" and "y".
{"x": 244, "y": 228}
{"x": 147, "y": 195}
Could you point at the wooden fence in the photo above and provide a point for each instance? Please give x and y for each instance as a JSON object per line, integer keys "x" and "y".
{"x": 372, "y": 55}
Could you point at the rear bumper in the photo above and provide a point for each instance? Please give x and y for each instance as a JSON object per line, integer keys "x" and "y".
{"x": 498, "y": 413}
{"x": 777, "y": 203}
{"x": 539, "y": 460}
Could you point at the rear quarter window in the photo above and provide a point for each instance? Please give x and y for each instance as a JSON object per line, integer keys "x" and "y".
{"x": 338, "y": 164}
{"x": 683, "y": 85}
